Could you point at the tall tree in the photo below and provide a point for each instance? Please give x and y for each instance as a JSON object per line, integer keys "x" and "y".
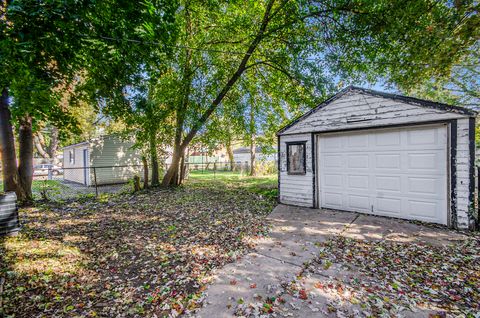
{"x": 297, "y": 39}
{"x": 45, "y": 43}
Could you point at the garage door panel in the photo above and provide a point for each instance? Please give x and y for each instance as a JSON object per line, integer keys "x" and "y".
{"x": 391, "y": 206}
{"x": 388, "y": 183}
{"x": 359, "y": 202}
{"x": 358, "y": 161}
{"x": 423, "y": 161}
{"x": 424, "y": 185}
{"x": 390, "y": 161}
{"x": 423, "y": 137}
{"x": 397, "y": 172}
{"x": 358, "y": 182}
{"x": 357, "y": 141}
{"x": 387, "y": 139}
{"x": 423, "y": 209}
{"x": 332, "y": 161}
{"x": 332, "y": 200}
{"x": 333, "y": 180}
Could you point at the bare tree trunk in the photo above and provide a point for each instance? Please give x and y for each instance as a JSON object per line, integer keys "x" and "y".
{"x": 53, "y": 146}
{"x": 252, "y": 138}
{"x": 145, "y": 172}
{"x": 39, "y": 145}
{"x": 25, "y": 166}
{"x": 181, "y": 176}
{"x": 230, "y": 154}
{"x": 154, "y": 159}
{"x": 11, "y": 180}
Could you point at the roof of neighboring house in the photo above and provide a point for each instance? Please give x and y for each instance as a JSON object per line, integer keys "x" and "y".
{"x": 87, "y": 142}
{"x": 402, "y": 98}
{"x": 77, "y": 144}
{"x": 247, "y": 150}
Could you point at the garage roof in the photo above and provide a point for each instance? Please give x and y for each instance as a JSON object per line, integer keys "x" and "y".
{"x": 401, "y": 98}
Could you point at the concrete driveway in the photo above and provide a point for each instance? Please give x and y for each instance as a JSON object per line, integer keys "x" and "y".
{"x": 293, "y": 243}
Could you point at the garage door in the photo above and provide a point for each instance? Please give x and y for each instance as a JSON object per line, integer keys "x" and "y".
{"x": 399, "y": 172}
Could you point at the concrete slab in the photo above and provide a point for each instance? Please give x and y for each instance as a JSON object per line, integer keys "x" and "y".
{"x": 240, "y": 282}
{"x": 293, "y": 240}
{"x": 296, "y": 230}
{"x": 368, "y": 227}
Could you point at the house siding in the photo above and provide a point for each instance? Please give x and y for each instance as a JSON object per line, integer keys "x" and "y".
{"x": 73, "y": 171}
{"x": 296, "y": 189}
{"x": 359, "y": 110}
{"x": 464, "y": 201}
{"x": 115, "y": 160}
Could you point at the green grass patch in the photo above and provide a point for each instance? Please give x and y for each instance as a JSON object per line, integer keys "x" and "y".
{"x": 265, "y": 185}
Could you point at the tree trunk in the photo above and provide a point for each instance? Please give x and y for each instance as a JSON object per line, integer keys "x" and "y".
{"x": 154, "y": 159}
{"x": 230, "y": 154}
{"x": 170, "y": 177}
{"x": 145, "y": 172}
{"x": 53, "y": 146}
{"x": 25, "y": 166}
{"x": 11, "y": 178}
{"x": 181, "y": 145}
{"x": 252, "y": 138}
{"x": 39, "y": 145}
{"x": 181, "y": 175}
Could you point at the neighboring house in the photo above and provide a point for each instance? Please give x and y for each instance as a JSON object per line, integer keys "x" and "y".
{"x": 243, "y": 154}
{"x": 114, "y": 160}
{"x": 384, "y": 154}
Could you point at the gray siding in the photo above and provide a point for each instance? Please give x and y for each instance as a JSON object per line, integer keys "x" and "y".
{"x": 296, "y": 189}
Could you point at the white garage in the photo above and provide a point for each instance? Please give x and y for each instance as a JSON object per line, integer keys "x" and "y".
{"x": 382, "y": 154}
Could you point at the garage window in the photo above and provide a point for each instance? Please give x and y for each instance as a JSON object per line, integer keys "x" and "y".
{"x": 296, "y": 153}
{"x": 71, "y": 155}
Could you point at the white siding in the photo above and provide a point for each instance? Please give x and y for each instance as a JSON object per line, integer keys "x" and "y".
{"x": 296, "y": 189}
{"x": 73, "y": 171}
{"x": 357, "y": 110}
{"x": 114, "y": 160}
{"x": 463, "y": 173}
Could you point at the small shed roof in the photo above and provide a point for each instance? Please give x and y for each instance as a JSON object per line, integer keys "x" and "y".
{"x": 405, "y": 99}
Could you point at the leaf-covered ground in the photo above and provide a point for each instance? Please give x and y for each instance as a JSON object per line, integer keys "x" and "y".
{"x": 148, "y": 254}
{"x": 358, "y": 278}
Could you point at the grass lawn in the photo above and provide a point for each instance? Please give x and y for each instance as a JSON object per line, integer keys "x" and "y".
{"x": 146, "y": 254}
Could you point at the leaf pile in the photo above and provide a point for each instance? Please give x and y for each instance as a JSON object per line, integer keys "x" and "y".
{"x": 147, "y": 254}
{"x": 409, "y": 275}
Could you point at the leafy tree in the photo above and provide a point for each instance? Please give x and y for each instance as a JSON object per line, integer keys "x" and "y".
{"x": 460, "y": 87}
{"x": 297, "y": 40}
{"x": 44, "y": 44}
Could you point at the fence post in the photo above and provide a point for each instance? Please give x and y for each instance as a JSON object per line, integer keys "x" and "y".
{"x": 95, "y": 181}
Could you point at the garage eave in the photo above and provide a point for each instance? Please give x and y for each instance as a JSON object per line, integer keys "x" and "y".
{"x": 404, "y": 99}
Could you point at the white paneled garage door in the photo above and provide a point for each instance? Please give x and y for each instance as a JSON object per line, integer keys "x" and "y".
{"x": 397, "y": 172}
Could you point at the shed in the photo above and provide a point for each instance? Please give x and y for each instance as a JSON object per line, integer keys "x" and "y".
{"x": 242, "y": 154}
{"x": 382, "y": 154}
{"x": 108, "y": 159}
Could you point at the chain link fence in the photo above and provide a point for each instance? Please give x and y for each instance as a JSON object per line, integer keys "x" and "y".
{"x": 60, "y": 184}
{"x": 71, "y": 183}
{"x": 263, "y": 167}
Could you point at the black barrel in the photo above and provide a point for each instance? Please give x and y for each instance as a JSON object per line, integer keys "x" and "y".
{"x": 9, "y": 223}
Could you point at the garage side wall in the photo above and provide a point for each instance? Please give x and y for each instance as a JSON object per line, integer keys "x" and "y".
{"x": 296, "y": 189}
{"x": 116, "y": 160}
{"x": 73, "y": 171}
{"x": 464, "y": 201}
